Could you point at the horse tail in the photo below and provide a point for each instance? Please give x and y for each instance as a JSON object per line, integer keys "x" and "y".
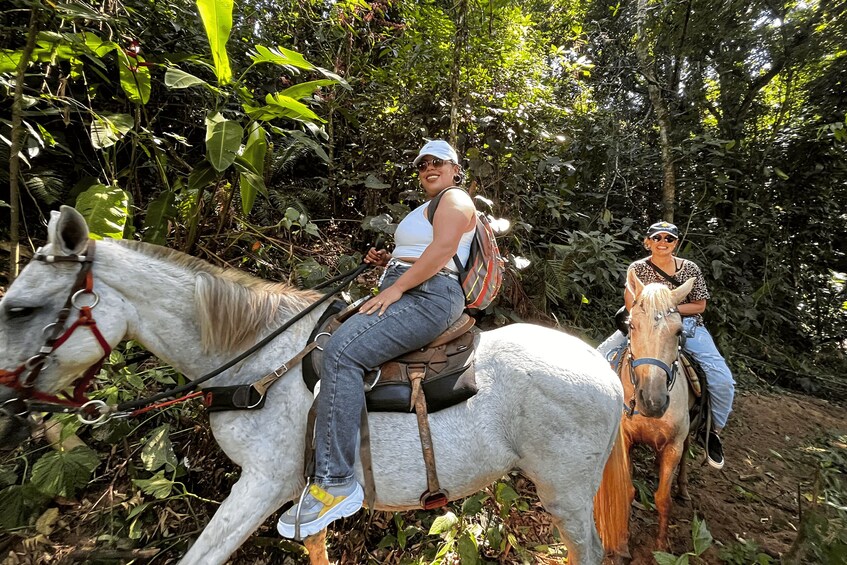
{"x": 611, "y": 504}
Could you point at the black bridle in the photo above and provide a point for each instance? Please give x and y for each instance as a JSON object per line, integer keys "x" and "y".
{"x": 671, "y": 370}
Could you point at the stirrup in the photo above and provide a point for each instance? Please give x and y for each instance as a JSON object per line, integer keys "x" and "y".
{"x": 297, "y": 535}
{"x": 431, "y": 500}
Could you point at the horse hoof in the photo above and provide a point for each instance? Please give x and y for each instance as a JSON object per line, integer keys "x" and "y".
{"x": 684, "y": 495}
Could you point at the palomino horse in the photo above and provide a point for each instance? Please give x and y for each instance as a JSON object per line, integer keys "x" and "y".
{"x": 658, "y": 414}
{"x": 548, "y": 405}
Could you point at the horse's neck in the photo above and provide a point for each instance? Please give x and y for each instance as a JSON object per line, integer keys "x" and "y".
{"x": 159, "y": 302}
{"x": 161, "y": 314}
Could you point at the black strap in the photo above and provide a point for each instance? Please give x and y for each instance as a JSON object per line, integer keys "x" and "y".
{"x": 430, "y": 215}
{"x": 663, "y": 274}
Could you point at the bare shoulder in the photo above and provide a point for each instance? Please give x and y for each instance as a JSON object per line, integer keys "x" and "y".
{"x": 459, "y": 198}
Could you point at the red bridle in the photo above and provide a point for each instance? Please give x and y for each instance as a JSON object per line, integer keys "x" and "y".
{"x": 23, "y": 378}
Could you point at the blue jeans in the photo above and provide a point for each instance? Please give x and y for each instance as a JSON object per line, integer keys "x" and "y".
{"x": 362, "y": 343}
{"x": 701, "y": 347}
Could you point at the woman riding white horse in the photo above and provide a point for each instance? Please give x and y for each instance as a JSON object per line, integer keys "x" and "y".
{"x": 548, "y": 405}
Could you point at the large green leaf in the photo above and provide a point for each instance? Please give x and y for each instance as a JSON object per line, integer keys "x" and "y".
{"x": 61, "y": 473}
{"x": 443, "y": 524}
{"x": 201, "y": 176}
{"x": 280, "y": 56}
{"x": 280, "y": 106}
{"x": 156, "y": 219}
{"x": 106, "y": 209}
{"x": 217, "y": 19}
{"x": 177, "y": 78}
{"x": 157, "y": 486}
{"x": 304, "y": 89}
{"x": 253, "y": 181}
{"x": 158, "y": 450}
{"x": 256, "y": 147}
{"x": 223, "y": 140}
{"x": 468, "y": 549}
{"x": 701, "y": 535}
{"x": 18, "y": 503}
{"x": 9, "y": 60}
{"x": 108, "y": 129}
{"x": 135, "y": 78}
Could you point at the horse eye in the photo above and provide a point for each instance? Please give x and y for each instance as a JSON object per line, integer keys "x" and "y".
{"x": 17, "y": 312}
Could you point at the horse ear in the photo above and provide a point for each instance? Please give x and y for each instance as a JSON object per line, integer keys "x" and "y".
{"x": 67, "y": 231}
{"x": 633, "y": 283}
{"x": 681, "y": 292}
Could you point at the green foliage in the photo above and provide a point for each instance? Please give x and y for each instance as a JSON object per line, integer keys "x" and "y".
{"x": 217, "y": 19}
{"x": 105, "y": 209}
{"x": 62, "y": 473}
{"x": 823, "y": 529}
{"x": 746, "y": 553}
{"x": 701, "y": 539}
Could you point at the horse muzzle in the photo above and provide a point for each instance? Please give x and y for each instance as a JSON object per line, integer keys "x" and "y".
{"x": 653, "y": 405}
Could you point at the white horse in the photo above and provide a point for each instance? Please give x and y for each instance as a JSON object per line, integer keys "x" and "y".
{"x": 548, "y": 405}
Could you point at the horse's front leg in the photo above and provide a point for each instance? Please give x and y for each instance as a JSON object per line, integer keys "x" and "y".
{"x": 316, "y": 545}
{"x": 669, "y": 458}
{"x": 682, "y": 476}
{"x": 252, "y": 499}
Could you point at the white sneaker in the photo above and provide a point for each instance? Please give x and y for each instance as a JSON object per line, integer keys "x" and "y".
{"x": 321, "y": 507}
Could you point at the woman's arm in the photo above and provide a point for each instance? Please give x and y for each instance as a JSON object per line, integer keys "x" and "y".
{"x": 692, "y": 308}
{"x": 455, "y": 216}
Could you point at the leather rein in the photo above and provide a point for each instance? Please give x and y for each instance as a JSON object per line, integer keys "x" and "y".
{"x": 89, "y": 411}
{"x": 670, "y": 370}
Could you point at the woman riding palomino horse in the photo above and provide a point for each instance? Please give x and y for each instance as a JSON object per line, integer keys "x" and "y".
{"x": 547, "y": 404}
{"x": 659, "y": 414}
{"x": 663, "y": 267}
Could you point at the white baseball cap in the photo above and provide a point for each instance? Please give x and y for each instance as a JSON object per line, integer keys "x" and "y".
{"x": 437, "y": 148}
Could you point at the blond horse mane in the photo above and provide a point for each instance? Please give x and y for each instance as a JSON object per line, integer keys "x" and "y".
{"x": 655, "y": 300}
{"x": 233, "y": 308}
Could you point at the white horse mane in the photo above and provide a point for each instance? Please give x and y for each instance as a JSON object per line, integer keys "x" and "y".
{"x": 233, "y": 307}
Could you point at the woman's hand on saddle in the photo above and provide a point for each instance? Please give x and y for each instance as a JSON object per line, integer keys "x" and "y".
{"x": 382, "y": 301}
{"x": 377, "y": 258}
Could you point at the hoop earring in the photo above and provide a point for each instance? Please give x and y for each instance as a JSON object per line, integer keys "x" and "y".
{"x": 457, "y": 178}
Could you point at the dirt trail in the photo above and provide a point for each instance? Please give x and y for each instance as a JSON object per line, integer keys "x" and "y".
{"x": 754, "y": 497}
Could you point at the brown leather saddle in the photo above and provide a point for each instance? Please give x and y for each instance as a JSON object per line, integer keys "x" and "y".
{"x": 447, "y": 365}
{"x": 424, "y": 380}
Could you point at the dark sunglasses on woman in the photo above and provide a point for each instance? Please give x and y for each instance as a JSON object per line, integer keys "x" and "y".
{"x": 436, "y": 162}
{"x": 659, "y": 237}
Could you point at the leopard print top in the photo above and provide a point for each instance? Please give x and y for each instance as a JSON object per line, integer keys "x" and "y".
{"x": 687, "y": 270}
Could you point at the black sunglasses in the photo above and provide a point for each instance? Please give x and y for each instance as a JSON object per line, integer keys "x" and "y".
{"x": 668, "y": 238}
{"x": 436, "y": 162}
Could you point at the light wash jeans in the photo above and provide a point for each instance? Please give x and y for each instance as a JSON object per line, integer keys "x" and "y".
{"x": 701, "y": 347}
{"x": 362, "y": 343}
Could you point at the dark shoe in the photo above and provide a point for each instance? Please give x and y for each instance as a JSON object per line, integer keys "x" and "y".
{"x": 320, "y": 507}
{"x": 714, "y": 451}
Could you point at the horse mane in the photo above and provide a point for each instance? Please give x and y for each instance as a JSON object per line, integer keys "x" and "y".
{"x": 656, "y": 299}
{"x": 233, "y": 308}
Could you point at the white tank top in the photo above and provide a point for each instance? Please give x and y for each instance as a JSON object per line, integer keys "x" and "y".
{"x": 414, "y": 234}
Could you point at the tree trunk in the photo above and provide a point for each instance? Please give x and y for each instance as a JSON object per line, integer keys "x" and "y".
{"x": 663, "y": 118}
{"x": 459, "y": 45}
{"x": 18, "y": 137}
